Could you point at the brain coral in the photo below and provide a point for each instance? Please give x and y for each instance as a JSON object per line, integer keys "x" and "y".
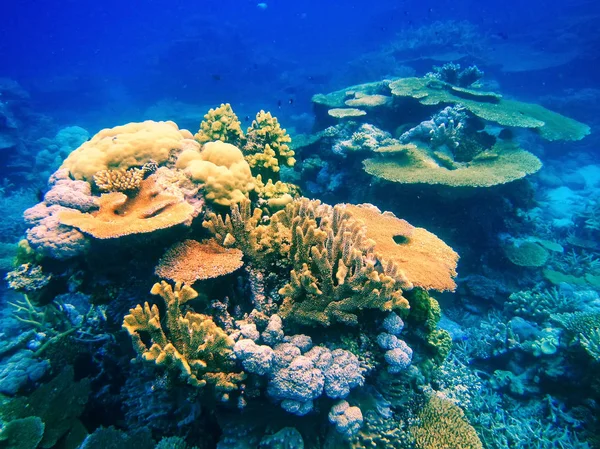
{"x": 222, "y": 170}
{"x": 122, "y": 147}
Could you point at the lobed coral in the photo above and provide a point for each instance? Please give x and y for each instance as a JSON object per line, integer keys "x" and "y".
{"x": 221, "y": 170}
{"x": 123, "y": 147}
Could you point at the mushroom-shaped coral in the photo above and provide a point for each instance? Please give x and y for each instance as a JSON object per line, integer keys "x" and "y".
{"x": 425, "y": 260}
{"x": 126, "y": 146}
{"x": 119, "y": 215}
{"x": 221, "y": 170}
{"x": 190, "y": 261}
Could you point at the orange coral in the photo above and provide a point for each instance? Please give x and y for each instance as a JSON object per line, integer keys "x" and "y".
{"x": 426, "y": 261}
{"x": 190, "y": 261}
{"x": 120, "y": 215}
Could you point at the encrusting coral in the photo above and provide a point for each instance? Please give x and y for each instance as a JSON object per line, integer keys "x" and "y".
{"x": 190, "y": 261}
{"x": 119, "y": 215}
{"x": 191, "y": 346}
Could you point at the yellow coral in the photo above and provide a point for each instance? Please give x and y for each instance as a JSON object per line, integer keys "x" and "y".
{"x": 191, "y": 347}
{"x": 126, "y": 146}
{"x": 276, "y": 195}
{"x": 119, "y": 215}
{"x": 220, "y": 124}
{"x": 443, "y": 425}
{"x": 119, "y": 180}
{"x": 266, "y": 148}
{"x": 221, "y": 169}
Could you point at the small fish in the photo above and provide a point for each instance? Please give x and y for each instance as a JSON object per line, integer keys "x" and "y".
{"x": 279, "y": 104}
{"x": 291, "y": 101}
{"x": 262, "y": 6}
{"x": 247, "y": 118}
{"x": 502, "y": 35}
{"x": 216, "y": 77}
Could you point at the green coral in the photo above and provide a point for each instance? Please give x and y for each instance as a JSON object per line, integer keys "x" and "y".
{"x": 591, "y": 343}
{"x": 191, "y": 346}
{"x": 221, "y": 124}
{"x": 58, "y": 404}
{"x": 23, "y": 433}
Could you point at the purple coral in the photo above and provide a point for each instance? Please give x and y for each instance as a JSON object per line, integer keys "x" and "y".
{"x": 348, "y": 420}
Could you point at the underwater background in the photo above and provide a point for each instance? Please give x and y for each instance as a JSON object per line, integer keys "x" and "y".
{"x": 245, "y": 224}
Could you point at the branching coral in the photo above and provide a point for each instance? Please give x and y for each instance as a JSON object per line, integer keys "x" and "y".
{"x": 191, "y": 346}
{"x": 335, "y": 272}
{"x": 123, "y": 180}
{"x": 266, "y": 148}
{"x": 220, "y": 124}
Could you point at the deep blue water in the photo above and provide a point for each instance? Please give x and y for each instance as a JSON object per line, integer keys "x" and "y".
{"x": 514, "y": 368}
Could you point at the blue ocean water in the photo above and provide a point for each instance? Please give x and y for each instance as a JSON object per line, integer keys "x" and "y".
{"x": 315, "y": 326}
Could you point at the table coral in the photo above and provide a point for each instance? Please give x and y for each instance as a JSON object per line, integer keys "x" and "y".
{"x": 190, "y": 261}
{"x": 126, "y": 146}
{"x": 119, "y": 215}
{"x": 489, "y": 106}
{"x": 191, "y": 346}
{"x": 424, "y": 259}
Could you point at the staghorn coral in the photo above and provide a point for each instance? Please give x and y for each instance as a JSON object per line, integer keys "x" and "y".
{"x": 334, "y": 271}
{"x": 266, "y": 148}
{"x": 444, "y": 425}
{"x": 119, "y": 215}
{"x": 191, "y": 346}
{"x": 220, "y": 124}
{"x": 444, "y": 129}
{"x": 119, "y": 180}
{"x": 126, "y": 146}
{"x": 190, "y": 261}
{"x": 221, "y": 170}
